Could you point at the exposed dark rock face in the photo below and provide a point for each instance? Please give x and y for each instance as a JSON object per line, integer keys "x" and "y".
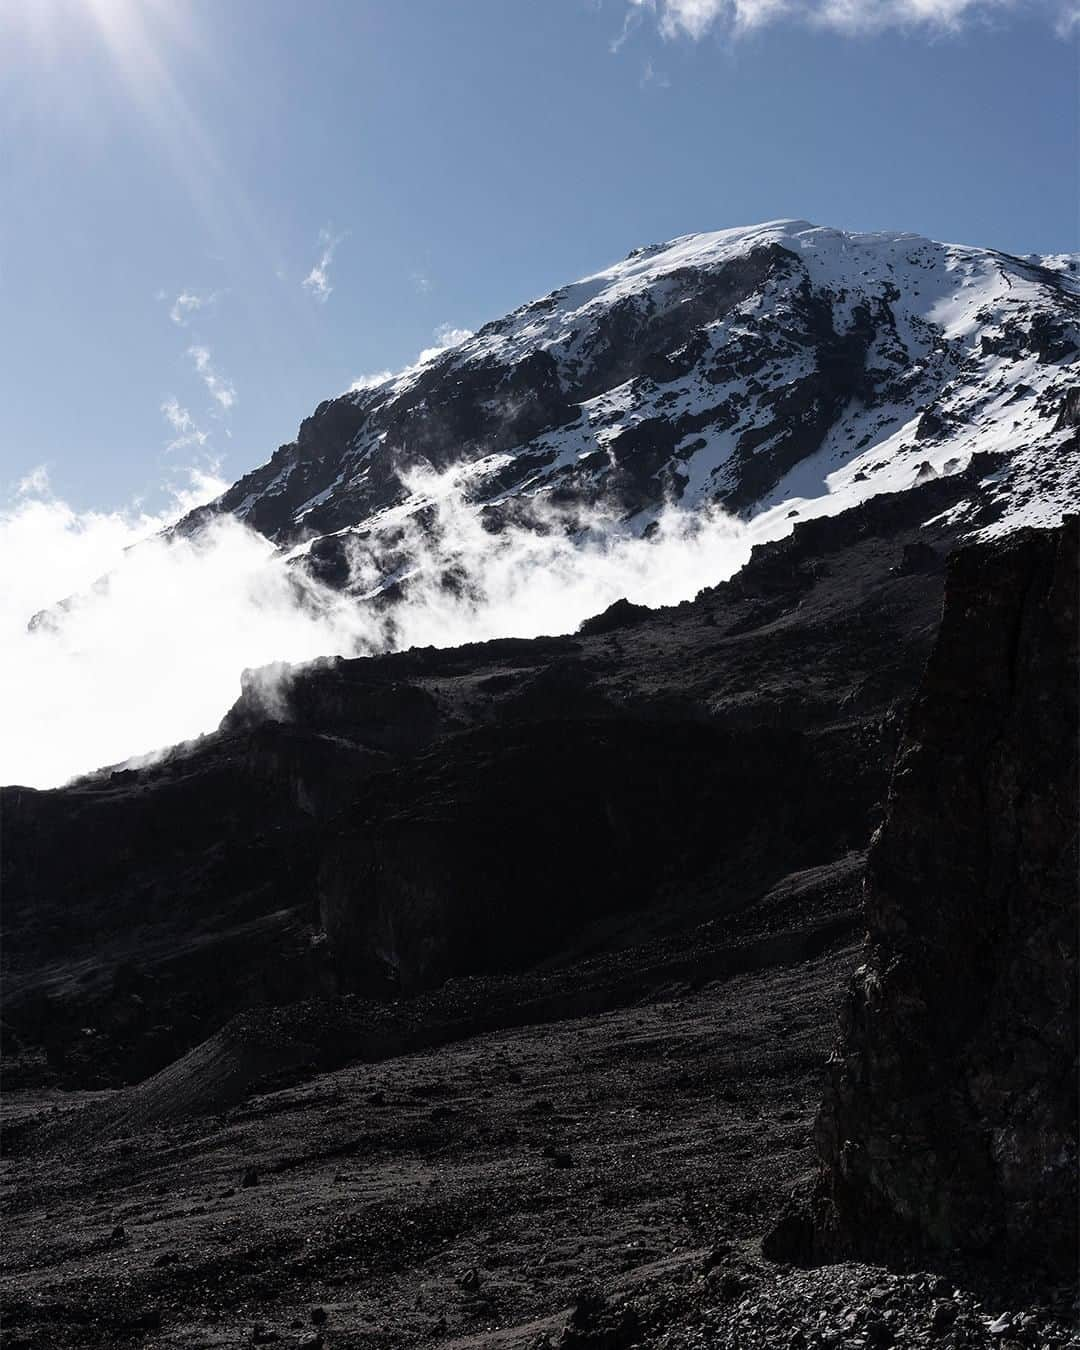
{"x": 1070, "y": 410}
{"x": 622, "y": 614}
{"x": 140, "y": 908}
{"x": 950, "y": 1119}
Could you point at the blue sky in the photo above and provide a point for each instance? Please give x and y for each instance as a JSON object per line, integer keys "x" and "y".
{"x": 323, "y": 187}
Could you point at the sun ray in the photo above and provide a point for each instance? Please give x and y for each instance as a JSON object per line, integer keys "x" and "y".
{"x": 156, "y": 53}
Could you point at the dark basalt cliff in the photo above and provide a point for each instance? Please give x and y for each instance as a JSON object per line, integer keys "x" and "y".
{"x": 950, "y": 1116}
{"x": 500, "y": 849}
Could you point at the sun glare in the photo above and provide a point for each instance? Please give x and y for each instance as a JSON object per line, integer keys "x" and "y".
{"x": 132, "y": 34}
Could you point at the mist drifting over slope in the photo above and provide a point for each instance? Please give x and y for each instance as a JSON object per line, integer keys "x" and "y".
{"x": 150, "y": 650}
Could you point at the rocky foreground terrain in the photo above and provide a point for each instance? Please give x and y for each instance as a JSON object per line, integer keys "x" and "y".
{"x": 526, "y": 1043}
{"x": 706, "y": 976}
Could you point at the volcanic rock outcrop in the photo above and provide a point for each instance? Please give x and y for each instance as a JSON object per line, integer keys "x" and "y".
{"x": 950, "y": 1119}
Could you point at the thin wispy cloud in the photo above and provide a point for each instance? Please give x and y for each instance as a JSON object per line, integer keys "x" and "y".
{"x": 1068, "y": 21}
{"x": 221, "y": 389}
{"x": 183, "y": 424}
{"x": 631, "y": 20}
{"x": 695, "y": 18}
{"x": 420, "y": 283}
{"x": 35, "y": 483}
{"x": 188, "y": 303}
{"x": 650, "y": 76}
{"x": 317, "y": 280}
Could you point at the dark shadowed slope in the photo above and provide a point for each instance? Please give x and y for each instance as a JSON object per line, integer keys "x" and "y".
{"x": 509, "y": 798}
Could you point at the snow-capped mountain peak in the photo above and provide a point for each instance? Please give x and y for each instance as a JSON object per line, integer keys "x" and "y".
{"x": 783, "y": 370}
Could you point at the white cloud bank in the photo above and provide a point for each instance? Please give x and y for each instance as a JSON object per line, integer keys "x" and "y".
{"x": 153, "y": 654}
{"x": 695, "y": 18}
{"x": 150, "y": 650}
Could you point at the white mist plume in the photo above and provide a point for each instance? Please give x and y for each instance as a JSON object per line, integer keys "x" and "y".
{"x": 153, "y": 654}
{"x": 541, "y": 577}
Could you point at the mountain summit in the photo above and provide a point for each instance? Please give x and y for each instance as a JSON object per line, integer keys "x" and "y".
{"x": 782, "y": 368}
{"x": 496, "y": 980}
